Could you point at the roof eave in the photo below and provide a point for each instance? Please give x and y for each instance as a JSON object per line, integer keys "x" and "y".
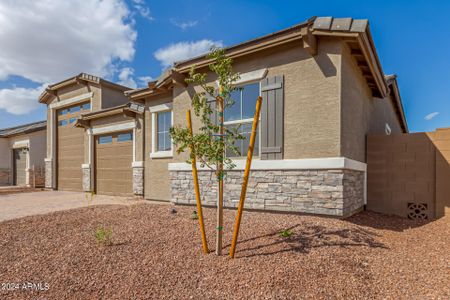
{"x": 399, "y": 104}
{"x": 254, "y": 45}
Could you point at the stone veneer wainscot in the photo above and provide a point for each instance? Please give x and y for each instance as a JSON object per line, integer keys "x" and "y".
{"x": 336, "y": 192}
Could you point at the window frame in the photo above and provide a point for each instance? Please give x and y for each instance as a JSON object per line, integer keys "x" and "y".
{"x": 130, "y": 133}
{"x": 248, "y": 120}
{"x": 154, "y": 110}
{"x": 110, "y": 141}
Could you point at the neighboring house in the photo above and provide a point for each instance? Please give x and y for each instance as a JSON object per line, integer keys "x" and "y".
{"x": 323, "y": 91}
{"x": 22, "y": 153}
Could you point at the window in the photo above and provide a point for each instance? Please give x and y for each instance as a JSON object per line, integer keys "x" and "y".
{"x": 162, "y": 119}
{"x": 105, "y": 139}
{"x": 74, "y": 109}
{"x": 245, "y": 130}
{"x": 164, "y": 122}
{"x": 62, "y": 123}
{"x": 63, "y": 112}
{"x": 124, "y": 137}
{"x": 86, "y": 106}
{"x": 72, "y": 120}
{"x": 240, "y": 115}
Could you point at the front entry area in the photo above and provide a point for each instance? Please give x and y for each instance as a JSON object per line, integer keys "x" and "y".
{"x": 20, "y": 165}
{"x": 113, "y": 159}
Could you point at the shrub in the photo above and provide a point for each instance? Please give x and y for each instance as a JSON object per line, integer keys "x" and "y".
{"x": 103, "y": 236}
{"x": 194, "y": 215}
{"x": 286, "y": 233}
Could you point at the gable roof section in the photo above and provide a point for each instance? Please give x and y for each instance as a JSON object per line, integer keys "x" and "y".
{"x": 80, "y": 78}
{"x": 354, "y": 32}
{"x": 129, "y": 109}
{"x": 23, "y": 129}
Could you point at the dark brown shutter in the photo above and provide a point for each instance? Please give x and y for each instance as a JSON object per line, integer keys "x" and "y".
{"x": 272, "y": 117}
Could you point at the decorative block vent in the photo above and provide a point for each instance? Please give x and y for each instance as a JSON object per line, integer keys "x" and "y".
{"x": 417, "y": 211}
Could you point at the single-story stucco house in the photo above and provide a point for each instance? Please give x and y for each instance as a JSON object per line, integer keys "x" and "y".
{"x": 323, "y": 92}
{"x": 23, "y": 150}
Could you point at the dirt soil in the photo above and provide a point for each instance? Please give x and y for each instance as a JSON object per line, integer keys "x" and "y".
{"x": 156, "y": 254}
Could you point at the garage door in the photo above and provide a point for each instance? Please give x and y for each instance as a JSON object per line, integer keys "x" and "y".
{"x": 70, "y": 148}
{"x": 113, "y": 158}
{"x": 20, "y": 164}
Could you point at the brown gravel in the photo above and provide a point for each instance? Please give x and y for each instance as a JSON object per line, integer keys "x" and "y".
{"x": 157, "y": 255}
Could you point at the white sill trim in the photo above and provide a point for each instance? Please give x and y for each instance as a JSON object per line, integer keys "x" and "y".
{"x": 161, "y": 154}
{"x": 70, "y": 101}
{"x": 114, "y": 128}
{"x": 328, "y": 163}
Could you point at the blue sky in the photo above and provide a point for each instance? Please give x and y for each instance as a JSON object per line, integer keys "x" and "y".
{"x": 142, "y": 37}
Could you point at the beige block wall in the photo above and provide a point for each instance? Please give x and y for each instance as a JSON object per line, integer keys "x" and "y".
{"x": 360, "y": 112}
{"x": 157, "y": 179}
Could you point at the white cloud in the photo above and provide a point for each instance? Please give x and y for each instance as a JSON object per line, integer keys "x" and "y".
{"x": 145, "y": 79}
{"x": 431, "y": 116}
{"x": 50, "y": 40}
{"x": 20, "y": 101}
{"x": 184, "y": 50}
{"x": 126, "y": 77}
{"x": 183, "y": 25}
{"x": 143, "y": 9}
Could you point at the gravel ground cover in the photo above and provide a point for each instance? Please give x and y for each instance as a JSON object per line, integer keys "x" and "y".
{"x": 156, "y": 254}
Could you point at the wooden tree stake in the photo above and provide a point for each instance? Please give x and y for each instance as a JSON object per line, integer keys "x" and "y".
{"x": 219, "y": 228}
{"x": 196, "y": 187}
{"x": 246, "y": 176}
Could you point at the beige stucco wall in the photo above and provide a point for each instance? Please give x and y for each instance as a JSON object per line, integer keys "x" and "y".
{"x": 37, "y": 144}
{"x": 37, "y": 148}
{"x": 311, "y": 96}
{"x": 360, "y": 112}
{"x": 5, "y": 154}
{"x": 312, "y": 114}
{"x": 157, "y": 179}
{"x": 111, "y": 97}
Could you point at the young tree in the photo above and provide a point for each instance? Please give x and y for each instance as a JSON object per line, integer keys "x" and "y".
{"x": 208, "y": 144}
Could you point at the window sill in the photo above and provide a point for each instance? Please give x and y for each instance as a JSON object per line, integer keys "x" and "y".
{"x": 161, "y": 154}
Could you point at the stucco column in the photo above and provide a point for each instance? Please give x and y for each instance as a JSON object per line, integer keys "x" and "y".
{"x": 50, "y": 161}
